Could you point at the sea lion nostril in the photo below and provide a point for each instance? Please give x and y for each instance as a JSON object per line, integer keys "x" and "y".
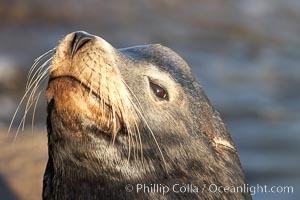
{"x": 79, "y": 40}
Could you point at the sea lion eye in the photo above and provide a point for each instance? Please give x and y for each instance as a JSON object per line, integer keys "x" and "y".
{"x": 159, "y": 91}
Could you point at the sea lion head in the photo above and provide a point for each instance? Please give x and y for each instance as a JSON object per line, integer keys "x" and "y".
{"x": 133, "y": 115}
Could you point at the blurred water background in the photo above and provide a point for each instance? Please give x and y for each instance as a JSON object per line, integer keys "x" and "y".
{"x": 246, "y": 55}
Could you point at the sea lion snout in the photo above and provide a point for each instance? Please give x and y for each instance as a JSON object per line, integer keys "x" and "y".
{"x": 86, "y": 85}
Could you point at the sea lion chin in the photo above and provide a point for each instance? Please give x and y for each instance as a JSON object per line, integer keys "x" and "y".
{"x": 132, "y": 116}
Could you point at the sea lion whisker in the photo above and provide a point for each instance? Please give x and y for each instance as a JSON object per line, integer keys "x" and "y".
{"x": 34, "y": 109}
{"x": 140, "y": 144}
{"x": 140, "y": 139}
{"x": 134, "y": 132}
{"x": 108, "y": 102}
{"x": 135, "y": 107}
{"x": 154, "y": 138}
{"x": 100, "y": 96}
{"x": 20, "y": 103}
{"x": 113, "y": 125}
{"x": 90, "y": 79}
{"x": 80, "y": 72}
{"x": 113, "y": 119}
{"x": 102, "y": 100}
{"x": 36, "y": 84}
{"x": 32, "y": 97}
{"x": 41, "y": 72}
{"x": 130, "y": 112}
{"x": 36, "y": 62}
{"x": 38, "y": 73}
{"x": 111, "y": 122}
{"x": 138, "y": 136}
{"x": 130, "y": 138}
{"x": 140, "y": 111}
{"x": 123, "y": 117}
{"x": 147, "y": 125}
{"x": 134, "y": 95}
{"x": 130, "y": 130}
{"x": 129, "y": 146}
{"x": 30, "y": 79}
{"x": 19, "y": 127}
{"x": 35, "y": 73}
{"x": 44, "y": 54}
{"x": 90, "y": 85}
{"x": 17, "y": 109}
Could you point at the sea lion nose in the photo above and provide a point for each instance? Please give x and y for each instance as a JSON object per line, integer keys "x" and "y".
{"x": 79, "y": 40}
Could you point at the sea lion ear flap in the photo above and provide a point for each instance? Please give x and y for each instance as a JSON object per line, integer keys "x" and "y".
{"x": 222, "y": 143}
{"x": 208, "y": 120}
{"x": 221, "y": 137}
{"x": 213, "y": 127}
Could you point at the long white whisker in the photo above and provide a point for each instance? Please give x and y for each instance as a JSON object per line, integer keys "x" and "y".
{"x": 31, "y": 87}
{"x": 18, "y": 108}
{"x": 28, "y": 106}
{"x": 153, "y": 136}
{"x": 142, "y": 116}
{"x": 34, "y": 109}
{"x": 35, "y": 64}
{"x": 37, "y": 73}
{"x": 36, "y": 84}
{"x": 15, "y": 138}
{"x": 135, "y": 107}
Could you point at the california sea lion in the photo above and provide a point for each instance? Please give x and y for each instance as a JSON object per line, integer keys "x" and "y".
{"x": 133, "y": 123}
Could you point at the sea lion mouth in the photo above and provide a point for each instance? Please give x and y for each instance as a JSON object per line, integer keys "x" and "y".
{"x": 76, "y": 101}
{"x": 87, "y": 88}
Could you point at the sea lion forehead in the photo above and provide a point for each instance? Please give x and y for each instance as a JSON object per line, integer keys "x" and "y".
{"x": 165, "y": 59}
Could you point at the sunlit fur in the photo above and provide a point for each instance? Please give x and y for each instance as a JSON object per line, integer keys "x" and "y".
{"x": 106, "y": 128}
